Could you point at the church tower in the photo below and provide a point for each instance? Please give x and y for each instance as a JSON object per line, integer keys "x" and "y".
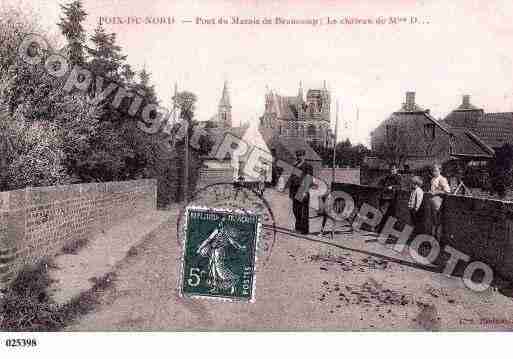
{"x": 326, "y": 102}
{"x": 224, "y": 110}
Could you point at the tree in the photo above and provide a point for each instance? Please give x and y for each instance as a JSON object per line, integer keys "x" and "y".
{"x": 106, "y": 56}
{"x": 501, "y": 169}
{"x": 31, "y": 153}
{"x": 395, "y": 149}
{"x": 71, "y": 27}
{"x": 127, "y": 74}
{"x": 14, "y": 26}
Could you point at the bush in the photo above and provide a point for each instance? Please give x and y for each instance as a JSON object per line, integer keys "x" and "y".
{"x": 33, "y": 156}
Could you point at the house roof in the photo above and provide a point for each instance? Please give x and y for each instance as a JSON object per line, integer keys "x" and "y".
{"x": 494, "y": 129}
{"x": 293, "y": 144}
{"x": 467, "y": 144}
{"x": 422, "y": 113}
{"x": 217, "y": 134}
{"x": 467, "y": 118}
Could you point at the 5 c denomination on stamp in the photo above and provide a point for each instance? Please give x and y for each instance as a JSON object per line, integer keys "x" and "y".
{"x": 219, "y": 254}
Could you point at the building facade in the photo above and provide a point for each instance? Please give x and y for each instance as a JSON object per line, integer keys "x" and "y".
{"x": 495, "y": 129}
{"x": 299, "y": 116}
{"x": 412, "y": 138}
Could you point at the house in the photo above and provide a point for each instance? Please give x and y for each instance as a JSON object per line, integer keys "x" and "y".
{"x": 494, "y": 129}
{"x": 412, "y": 138}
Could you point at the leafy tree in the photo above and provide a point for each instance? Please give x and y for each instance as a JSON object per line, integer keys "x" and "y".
{"x": 14, "y": 25}
{"x": 501, "y": 169}
{"x": 346, "y": 154}
{"x": 31, "y": 153}
{"x": 71, "y": 27}
{"x": 210, "y": 124}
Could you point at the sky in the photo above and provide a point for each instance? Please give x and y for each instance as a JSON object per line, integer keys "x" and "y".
{"x": 456, "y": 48}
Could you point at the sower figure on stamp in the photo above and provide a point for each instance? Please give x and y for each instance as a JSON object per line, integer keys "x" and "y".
{"x": 300, "y": 183}
{"x": 214, "y": 248}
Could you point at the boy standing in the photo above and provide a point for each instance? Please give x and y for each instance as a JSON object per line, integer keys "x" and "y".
{"x": 415, "y": 203}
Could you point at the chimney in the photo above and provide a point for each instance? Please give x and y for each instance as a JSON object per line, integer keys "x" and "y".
{"x": 410, "y": 101}
{"x": 465, "y": 101}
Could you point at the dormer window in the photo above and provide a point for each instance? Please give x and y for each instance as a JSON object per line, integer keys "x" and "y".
{"x": 429, "y": 131}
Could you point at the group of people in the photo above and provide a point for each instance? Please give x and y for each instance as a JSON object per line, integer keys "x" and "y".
{"x": 417, "y": 205}
{"x": 299, "y": 185}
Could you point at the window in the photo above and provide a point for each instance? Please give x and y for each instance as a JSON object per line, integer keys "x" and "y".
{"x": 429, "y": 131}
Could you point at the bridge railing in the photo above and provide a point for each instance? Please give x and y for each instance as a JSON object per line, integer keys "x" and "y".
{"x": 480, "y": 228}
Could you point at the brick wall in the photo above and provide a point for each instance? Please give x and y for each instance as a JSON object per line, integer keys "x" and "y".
{"x": 480, "y": 228}
{"x": 37, "y": 222}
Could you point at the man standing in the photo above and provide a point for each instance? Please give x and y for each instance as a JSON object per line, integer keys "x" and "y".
{"x": 300, "y": 183}
{"x": 388, "y": 198}
{"x": 439, "y": 185}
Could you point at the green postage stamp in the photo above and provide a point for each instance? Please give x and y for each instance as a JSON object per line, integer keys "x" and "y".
{"x": 219, "y": 253}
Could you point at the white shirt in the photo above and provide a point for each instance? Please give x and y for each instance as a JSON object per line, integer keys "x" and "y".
{"x": 440, "y": 185}
{"x": 416, "y": 198}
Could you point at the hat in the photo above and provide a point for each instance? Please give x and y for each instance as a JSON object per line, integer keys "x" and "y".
{"x": 417, "y": 180}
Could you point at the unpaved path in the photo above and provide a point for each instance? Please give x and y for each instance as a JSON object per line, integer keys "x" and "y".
{"x": 305, "y": 285}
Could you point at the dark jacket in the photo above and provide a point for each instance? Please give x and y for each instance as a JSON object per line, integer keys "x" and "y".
{"x": 392, "y": 180}
{"x": 295, "y": 180}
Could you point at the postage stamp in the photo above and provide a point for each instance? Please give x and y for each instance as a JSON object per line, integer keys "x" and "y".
{"x": 219, "y": 253}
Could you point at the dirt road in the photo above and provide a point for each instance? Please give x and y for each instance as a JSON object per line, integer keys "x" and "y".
{"x": 306, "y": 285}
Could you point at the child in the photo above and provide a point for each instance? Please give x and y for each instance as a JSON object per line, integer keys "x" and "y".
{"x": 262, "y": 178}
{"x": 323, "y": 213}
{"x": 415, "y": 204}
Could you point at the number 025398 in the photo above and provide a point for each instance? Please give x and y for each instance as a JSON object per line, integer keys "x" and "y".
{"x": 20, "y": 342}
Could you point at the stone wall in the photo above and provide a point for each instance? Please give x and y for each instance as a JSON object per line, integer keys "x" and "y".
{"x": 36, "y": 223}
{"x": 480, "y": 228}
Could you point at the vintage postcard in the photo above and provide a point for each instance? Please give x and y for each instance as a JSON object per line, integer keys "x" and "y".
{"x": 255, "y": 166}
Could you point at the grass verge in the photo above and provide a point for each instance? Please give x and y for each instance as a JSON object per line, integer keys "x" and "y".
{"x": 25, "y": 304}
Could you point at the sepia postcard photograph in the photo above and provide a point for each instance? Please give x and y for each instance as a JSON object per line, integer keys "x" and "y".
{"x": 256, "y": 165}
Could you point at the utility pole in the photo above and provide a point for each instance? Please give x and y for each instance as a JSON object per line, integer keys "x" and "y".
{"x": 334, "y": 146}
{"x": 186, "y": 163}
{"x": 186, "y": 110}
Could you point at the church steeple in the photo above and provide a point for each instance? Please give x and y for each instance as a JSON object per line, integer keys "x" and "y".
{"x": 225, "y": 98}
{"x": 224, "y": 112}
{"x": 300, "y": 91}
